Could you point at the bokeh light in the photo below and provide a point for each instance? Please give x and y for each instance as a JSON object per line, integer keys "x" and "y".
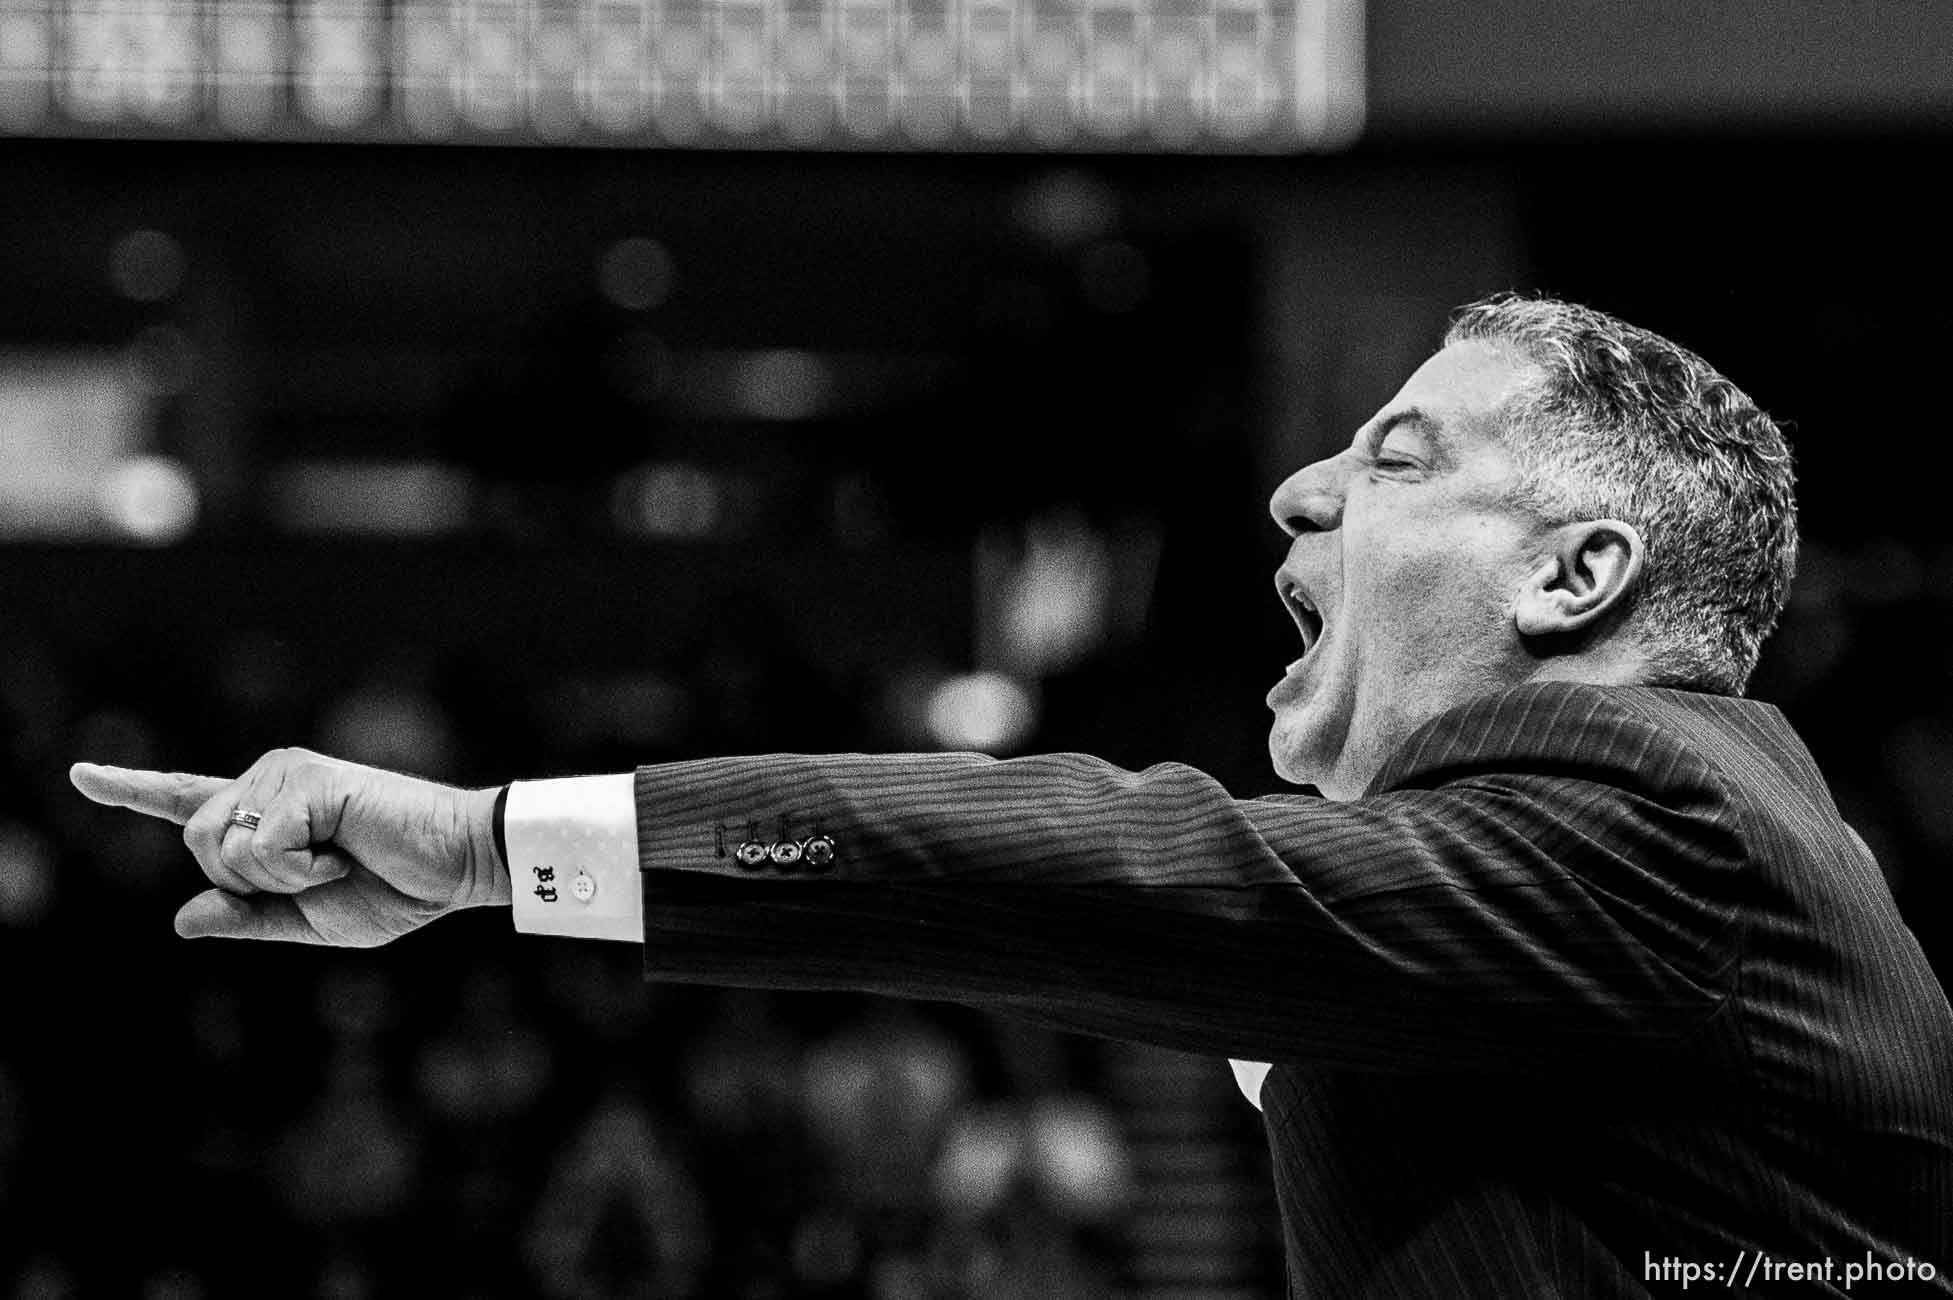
{"x": 151, "y": 499}
{"x": 147, "y": 265}
{"x": 987, "y": 711}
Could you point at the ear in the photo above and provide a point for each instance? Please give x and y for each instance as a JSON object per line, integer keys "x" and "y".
{"x": 1590, "y": 566}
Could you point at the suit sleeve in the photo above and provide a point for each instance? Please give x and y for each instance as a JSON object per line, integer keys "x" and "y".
{"x": 1564, "y": 890}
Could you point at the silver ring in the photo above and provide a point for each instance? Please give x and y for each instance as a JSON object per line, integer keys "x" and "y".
{"x": 245, "y": 818}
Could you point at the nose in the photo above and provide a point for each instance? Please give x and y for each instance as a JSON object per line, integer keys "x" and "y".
{"x": 1311, "y": 499}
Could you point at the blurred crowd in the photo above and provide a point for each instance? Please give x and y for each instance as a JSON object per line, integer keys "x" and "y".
{"x": 472, "y": 1113}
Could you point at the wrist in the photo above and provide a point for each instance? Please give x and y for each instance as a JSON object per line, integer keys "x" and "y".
{"x": 488, "y": 870}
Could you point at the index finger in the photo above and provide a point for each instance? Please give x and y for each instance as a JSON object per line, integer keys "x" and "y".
{"x": 173, "y": 796}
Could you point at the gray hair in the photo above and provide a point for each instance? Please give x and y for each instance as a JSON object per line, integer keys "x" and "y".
{"x": 1626, "y": 425}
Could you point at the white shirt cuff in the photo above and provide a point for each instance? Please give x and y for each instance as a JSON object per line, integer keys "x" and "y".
{"x": 572, "y": 847}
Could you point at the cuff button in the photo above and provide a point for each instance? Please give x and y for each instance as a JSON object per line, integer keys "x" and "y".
{"x": 751, "y": 854}
{"x": 785, "y": 854}
{"x": 818, "y": 852}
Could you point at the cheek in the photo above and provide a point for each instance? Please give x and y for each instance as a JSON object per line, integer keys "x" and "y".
{"x": 1424, "y": 591}
{"x": 1398, "y": 574}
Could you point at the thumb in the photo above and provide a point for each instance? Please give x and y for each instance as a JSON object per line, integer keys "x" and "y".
{"x": 173, "y": 796}
{"x": 215, "y": 914}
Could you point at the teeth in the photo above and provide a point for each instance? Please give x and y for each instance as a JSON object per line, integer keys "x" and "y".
{"x": 1307, "y": 617}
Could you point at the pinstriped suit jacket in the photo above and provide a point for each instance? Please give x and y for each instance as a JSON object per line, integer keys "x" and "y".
{"x": 1591, "y": 978}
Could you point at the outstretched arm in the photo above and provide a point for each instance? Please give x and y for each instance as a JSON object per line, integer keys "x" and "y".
{"x": 342, "y": 854}
{"x": 1553, "y": 878}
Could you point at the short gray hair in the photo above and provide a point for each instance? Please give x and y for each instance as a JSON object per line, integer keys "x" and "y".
{"x": 1626, "y": 425}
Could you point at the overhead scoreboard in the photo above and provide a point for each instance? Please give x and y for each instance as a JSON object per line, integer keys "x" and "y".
{"x": 1118, "y": 75}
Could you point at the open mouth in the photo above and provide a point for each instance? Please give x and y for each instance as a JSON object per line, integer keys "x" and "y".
{"x": 1308, "y": 619}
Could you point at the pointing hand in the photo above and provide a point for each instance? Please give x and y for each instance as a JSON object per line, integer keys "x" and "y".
{"x": 342, "y": 854}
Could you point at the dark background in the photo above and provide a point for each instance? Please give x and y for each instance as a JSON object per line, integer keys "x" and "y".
{"x": 1127, "y": 352}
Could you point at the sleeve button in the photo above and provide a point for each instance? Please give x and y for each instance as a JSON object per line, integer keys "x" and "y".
{"x": 818, "y": 852}
{"x": 751, "y": 855}
{"x": 785, "y": 854}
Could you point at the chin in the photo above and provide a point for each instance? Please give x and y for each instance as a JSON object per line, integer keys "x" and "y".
{"x": 1291, "y": 752}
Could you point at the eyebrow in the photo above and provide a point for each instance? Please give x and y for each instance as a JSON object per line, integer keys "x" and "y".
{"x": 1416, "y": 418}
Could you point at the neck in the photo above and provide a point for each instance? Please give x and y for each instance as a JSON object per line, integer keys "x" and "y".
{"x": 1363, "y": 756}
{"x": 1607, "y": 664}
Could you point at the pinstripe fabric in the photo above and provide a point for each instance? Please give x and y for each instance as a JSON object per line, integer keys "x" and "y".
{"x": 1590, "y": 975}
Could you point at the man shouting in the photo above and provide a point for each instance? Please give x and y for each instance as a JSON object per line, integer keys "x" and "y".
{"x": 1570, "y": 975}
